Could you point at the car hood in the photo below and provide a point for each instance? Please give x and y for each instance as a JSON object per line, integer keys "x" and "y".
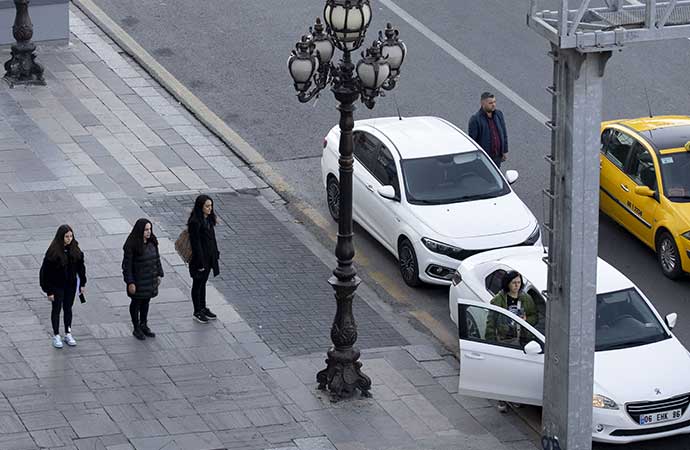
{"x": 491, "y": 216}
{"x": 634, "y": 374}
{"x": 682, "y": 210}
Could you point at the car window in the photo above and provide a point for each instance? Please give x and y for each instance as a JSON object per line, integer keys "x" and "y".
{"x": 625, "y": 320}
{"x": 453, "y": 178}
{"x": 487, "y": 326}
{"x": 385, "y": 171}
{"x": 366, "y": 149}
{"x": 641, "y": 166}
{"x": 541, "y": 309}
{"x": 493, "y": 281}
{"x": 617, "y": 146}
{"x": 675, "y": 168}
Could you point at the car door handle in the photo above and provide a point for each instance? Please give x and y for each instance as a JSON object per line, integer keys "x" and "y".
{"x": 474, "y": 356}
{"x": 625, "y": 188}
{"x": 370, "y": 187}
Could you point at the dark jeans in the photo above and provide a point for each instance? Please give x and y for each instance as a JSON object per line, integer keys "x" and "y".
{"x": 139, "y": 311}
{"x": 199, "y": 290}
{"x": 63, "y": 300}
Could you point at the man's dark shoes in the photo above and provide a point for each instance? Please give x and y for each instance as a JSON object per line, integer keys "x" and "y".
{"x": 200, "y": 317}
{"x": 138, "y": 334}
{"x": 209, "y": 315}
{"x": 147, "y": 331}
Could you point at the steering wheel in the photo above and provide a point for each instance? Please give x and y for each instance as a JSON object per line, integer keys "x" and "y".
{"x": 472, "y": 328}
{"x": 623, "y": 317}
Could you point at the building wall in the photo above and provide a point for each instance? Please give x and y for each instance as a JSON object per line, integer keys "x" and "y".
{"x": 49, "y": 17}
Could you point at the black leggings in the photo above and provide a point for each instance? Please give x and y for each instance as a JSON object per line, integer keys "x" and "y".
{"x": 199, "y": 290}
{"x": 139, "y": 311}
{"x": 62, "y": 300}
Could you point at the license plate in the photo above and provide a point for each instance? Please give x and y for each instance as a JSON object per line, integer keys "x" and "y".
{"x": 664, "y": 416}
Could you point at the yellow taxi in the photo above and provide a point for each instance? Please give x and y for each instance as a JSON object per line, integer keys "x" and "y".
{"x": 645, "y": 184}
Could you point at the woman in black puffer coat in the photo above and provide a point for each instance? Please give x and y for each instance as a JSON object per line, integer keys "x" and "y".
{"x": 142, "y": 271}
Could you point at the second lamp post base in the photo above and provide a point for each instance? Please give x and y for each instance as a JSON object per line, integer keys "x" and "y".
{"x": 22, "y": 68}
{"x": 343, "y": 375}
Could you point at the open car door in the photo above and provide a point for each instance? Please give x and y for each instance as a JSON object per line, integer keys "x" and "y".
{"x": 501, "y": 355}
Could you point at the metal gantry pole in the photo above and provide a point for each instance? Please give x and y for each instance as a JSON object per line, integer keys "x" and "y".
{"x": 572, "y": 259}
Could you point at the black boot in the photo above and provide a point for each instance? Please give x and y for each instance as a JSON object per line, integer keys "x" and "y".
{"x": 138, "y": 333}
{"x": 146, "y": 330}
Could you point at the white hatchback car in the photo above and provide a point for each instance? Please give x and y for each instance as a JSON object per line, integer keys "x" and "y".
{"x": 641, "y": 371}
{"x": 429, "y": 194}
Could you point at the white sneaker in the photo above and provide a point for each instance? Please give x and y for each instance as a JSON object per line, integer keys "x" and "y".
{"x": 502, "y": 406}
{"x": 57, "y": 341}
{"x": 70, "y": 340}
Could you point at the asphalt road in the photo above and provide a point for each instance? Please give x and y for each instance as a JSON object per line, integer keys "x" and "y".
{"x": 232, "y": 53}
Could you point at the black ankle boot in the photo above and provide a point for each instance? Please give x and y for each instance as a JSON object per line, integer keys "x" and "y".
{"x": 146, "y": 330}
{"x": 138, "y": 333}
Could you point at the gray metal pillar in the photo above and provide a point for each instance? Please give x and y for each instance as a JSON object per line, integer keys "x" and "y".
{"x": 573, "y": 229}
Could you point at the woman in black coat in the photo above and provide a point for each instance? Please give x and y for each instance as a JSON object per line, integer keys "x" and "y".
{"x": 205, "y": 254}
{"x": 63, "y": 267}
{"x": 142, "y": 271}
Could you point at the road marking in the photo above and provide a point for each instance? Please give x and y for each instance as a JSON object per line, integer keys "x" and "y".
{"x": 450, "y": 341}
{"x": 467, "y": 62}
{"x": 391, "y": 286}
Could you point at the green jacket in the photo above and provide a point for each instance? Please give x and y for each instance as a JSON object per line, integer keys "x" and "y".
{"x": 501, "y": 300}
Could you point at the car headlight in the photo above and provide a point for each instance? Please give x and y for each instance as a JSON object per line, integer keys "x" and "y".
{"x": 443, "y": 249}
{"x": 600, "y": 401}
{"x": 534, "y": 237}
{"x": 686, "y": 235}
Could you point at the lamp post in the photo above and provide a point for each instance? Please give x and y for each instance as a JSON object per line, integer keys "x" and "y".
{"x": 346, "y": 22}
{"x": 22, "y": 67}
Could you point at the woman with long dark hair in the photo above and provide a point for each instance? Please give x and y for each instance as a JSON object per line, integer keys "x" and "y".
{"x": 62, "y": 269}
{"x": 202, "y": 237}
{"x": 142, "y": 271}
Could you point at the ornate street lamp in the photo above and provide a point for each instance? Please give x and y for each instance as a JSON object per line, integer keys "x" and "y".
{"x": 22, "y": 67}
{"x": 346, "y": 23}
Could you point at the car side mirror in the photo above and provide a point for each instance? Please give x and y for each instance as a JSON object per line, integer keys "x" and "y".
{"x": 387, "y": 191}
{"x": 644, "y": 191}
{"x": 671, "y": 320}
{"x": 512, "y": 176}
{"x": 532, "y": 348}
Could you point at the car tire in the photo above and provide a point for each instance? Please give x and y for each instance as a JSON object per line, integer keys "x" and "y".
{"x": 407, "y": 260}
{"x": 333, "y": 196}
{"x": 668, "y": 256}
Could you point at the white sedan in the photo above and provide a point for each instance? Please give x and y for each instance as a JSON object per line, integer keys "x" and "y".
{"x": 428, "y": 194}
{"x": 641, "y": 371}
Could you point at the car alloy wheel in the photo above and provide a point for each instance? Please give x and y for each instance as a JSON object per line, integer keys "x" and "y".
{"x": 669, "y": 258}
{"x": 409, "y": 268}
{"x": 333, "y": 196}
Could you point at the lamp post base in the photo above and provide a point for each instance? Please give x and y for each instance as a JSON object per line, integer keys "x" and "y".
{"x": 343, "y": 374}
{"x": 22, "y": 68}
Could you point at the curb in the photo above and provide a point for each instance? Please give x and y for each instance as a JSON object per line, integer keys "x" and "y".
{"x": 208, "y": 118}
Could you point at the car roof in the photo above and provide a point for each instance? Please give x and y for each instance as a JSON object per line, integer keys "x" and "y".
{"x": 529, "y": 262}
{"x": 420, "y": 137}
{"x": 663, "y": 132}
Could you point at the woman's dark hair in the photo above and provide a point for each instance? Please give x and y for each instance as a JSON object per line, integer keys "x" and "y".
{"x": 508, "y": 277}
{"x": 197, "y": 214}
{"x": 56, "y": 249}
{"x": 135, "y": 240}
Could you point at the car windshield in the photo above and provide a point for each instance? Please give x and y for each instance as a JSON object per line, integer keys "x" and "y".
{"x": 675, "y": 168}
{"x": 624, "y": 320}
{"x": 452, "y": 178}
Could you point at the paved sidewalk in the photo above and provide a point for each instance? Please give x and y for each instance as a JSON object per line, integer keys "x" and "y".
{"x": 102, "y": 145}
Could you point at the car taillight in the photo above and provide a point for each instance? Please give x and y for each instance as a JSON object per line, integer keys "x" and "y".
{"x": 325, "y": 142}
{"x": 457, "y": 278}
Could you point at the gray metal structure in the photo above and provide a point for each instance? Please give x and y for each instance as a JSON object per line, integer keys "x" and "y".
{"x": 582, "y": 40}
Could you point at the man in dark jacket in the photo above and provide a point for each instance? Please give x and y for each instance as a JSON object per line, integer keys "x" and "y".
{"x": 488, "y": 129}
